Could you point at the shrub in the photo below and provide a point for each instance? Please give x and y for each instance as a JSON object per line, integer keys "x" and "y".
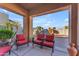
{"x": 6, "y": 34}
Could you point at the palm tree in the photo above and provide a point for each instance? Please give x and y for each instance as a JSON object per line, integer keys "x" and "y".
{"x": 65, "y": 27}
{"x": 10, "y": 25}
{"x": 39, "y": 29}
{"x": 16, "y": 24}
{"x": 50, "y": 30}
{"x": 55, "y": 30}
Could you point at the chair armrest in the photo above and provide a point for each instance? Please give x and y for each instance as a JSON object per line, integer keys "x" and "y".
{"x": 53, "y": 41}
{"x": 32, "y": 39}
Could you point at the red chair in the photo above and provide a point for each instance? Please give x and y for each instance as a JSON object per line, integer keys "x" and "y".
{"x": 5, "y": 49}
{"x": 21, "y": 40}
{"x": 45, "y": 40}
{"x": 38, "y": 39}
{"x": 49, "y": 42}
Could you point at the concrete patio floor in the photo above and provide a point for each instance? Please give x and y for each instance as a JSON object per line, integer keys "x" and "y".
{"x": 59, "y": 50}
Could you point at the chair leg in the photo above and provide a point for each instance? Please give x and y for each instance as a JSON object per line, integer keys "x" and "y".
{"x": 9, "y": 52}
{"x": 52, "y": 51}
{"x": 41, "y": 46}
{"x": 27, "y": 44}
{"x": 17, "y": 47}
{"x": 32, "y": 45}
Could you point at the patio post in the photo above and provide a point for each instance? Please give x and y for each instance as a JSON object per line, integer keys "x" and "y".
{"x": 26, "y": 25}
{"x": 30, "y": 26}
{"x": 73, "y": 23}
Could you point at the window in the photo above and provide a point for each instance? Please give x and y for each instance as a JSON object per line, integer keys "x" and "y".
{"x": 58, "y": 20}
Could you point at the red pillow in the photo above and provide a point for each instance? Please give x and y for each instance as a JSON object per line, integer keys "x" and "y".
{"x": 39, "y": 36}
{"x": 50, "y": 37}
{"x": 20, "y": 37}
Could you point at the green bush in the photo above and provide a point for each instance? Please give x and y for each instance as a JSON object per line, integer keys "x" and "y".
{"x": 6, "y": 34}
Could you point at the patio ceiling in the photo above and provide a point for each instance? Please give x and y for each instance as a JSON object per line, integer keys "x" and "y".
{"x": 37, "y": 8}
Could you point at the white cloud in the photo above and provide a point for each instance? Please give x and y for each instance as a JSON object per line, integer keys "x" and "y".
{"x": 48, "y": 24}
{"x": 66, "y": 20}
{"x": 66, "y": 24}
{"x": 36, "y": 20}
{"x": 5, "y": 11}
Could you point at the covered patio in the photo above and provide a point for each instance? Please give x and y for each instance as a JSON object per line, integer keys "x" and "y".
{"x": 37, "y": 51}
{"x": 30, "y": 10}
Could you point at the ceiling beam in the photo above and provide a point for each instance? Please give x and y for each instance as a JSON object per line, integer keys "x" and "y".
{"x": 52, "y": 11}
{"x": 14, "y": 8}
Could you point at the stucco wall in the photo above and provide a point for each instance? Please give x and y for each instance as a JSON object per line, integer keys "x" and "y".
{"x": 3, "y": 18}
{"x": 78, "y": 29}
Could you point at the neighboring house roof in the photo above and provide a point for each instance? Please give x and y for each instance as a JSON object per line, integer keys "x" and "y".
{"x": 4, "y": 18}
{"x": 11, "y": 20}
{"x": 4, "y": 14}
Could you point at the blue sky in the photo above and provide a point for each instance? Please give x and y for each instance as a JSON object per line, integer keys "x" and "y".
{"x": 13, "y": 16}
{"x": 57, "y": 19}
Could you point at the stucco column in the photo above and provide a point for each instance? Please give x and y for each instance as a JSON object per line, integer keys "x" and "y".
{"x": 26, "y": 25}
{"x": 30, "y": 26}
{"x": 73, "y": 23}
{"x": 78, "y": 31}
